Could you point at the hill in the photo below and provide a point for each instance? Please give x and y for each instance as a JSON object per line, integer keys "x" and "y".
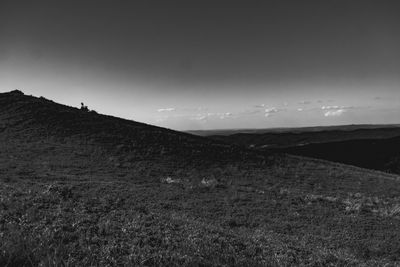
{"x": 340, "y": 128}
{"x": 378, "y": 154}
{"x": 296, "y": 137}
{"x": 368, "y": 146}
{"x": 83, "y": 189}
{"x": 35, "y": 121}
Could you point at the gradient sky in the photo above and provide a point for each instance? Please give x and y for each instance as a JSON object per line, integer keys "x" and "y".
{"x": 209, "y": 64}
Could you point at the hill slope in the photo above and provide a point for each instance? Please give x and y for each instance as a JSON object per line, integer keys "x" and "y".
{"x": 308, "y": 136}
{"x": 82, "y": 189}
{"x": 38, "y": 121}
{"x": 378, "y": 154}
{"x": 374, "y": 148}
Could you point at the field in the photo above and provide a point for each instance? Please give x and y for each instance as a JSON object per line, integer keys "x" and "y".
{"x": 88, "y": 199}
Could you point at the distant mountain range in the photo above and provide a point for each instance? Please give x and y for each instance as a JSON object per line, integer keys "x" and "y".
{"x": 350, "y": 127}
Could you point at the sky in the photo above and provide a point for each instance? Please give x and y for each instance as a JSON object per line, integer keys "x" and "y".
{"x": 205, "y": 64}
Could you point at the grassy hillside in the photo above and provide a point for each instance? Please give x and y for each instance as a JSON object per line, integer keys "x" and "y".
{"x": 31, "y": 120}
{"x": 70, "y": 196}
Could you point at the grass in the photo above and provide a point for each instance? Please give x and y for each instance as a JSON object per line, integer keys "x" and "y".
{"x": 101, "y": 193}
{"x": 312, "y": 213}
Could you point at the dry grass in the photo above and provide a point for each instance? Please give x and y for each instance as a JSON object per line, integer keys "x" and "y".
{"x": 311, "y": 214}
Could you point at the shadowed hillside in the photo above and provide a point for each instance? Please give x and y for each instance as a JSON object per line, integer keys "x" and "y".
{"x": 83, "y": 189}
{"x": 305, "y": 136}
{"x": 378, "y": 154}
{"x": 374, "y": 147}
{"x": 38, "y": 120}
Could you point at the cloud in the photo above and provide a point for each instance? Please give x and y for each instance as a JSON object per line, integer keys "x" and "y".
{"x": 305, "y": 102}
{"x": 205, "y": 116}
{"x": 271, "y": 110}
{"x": 165, "y": 109}
{"x": 331, "y": 111}
{"x": 200, "y": 117}
{"x": 337, "y": 107}
{"x": 259, "y": 106}
{"x": 225, "y": 115}
{"x": 329, "y": 107}
{"x": 334, "y": 113}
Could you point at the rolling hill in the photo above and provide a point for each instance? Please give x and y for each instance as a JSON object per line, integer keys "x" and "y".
{"x": 305, "y": 136}
{"x": 296, "y": 130}
{"x": 378, "y": 154}
{"x": 79, "y": 188}
{"x": 368, "y": 146}
{"x": 38, "y": 121}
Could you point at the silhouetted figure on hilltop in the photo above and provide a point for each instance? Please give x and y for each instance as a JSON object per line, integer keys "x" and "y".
{"x": 84, "y": 108}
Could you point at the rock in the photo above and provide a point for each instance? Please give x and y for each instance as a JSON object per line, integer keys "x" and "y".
{"x": 169, "y": 180}
{"x": 209, "y": 182}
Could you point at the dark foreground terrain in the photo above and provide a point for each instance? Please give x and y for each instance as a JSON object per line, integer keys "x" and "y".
{"x": 82, "y": 189}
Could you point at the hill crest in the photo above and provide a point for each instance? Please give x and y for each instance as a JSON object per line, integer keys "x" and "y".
{"x": 37, "y": 119}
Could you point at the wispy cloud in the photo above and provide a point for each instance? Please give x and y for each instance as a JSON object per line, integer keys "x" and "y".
{"x": 225, "y": 115}
{"x": 200, "y": 117}
{"x": 336, "y": 107}
{"x": 305, "y": 102}
{"x": 259, "y": 106}
{"x": 270, "y": 111}
{"x": 334, "y": 113}
{"x": 165, "y": 109}
{"x": 300, "y": 109}
{"x": 205, "y": 116}
{"x": 329, "y": 107}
